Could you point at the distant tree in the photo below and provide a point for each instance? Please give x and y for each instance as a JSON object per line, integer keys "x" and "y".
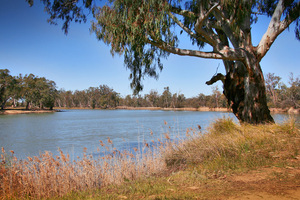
{"x": 202, "y": 100}
{"x": 28, "y": 87}
{"x": 178, "y": 100}
{"x": 192, "y": 102}
{"x": 80, "y": 98}
{"x": 48, "y": 93}
{"x": 60, "y": 98}
{"x": 293, "y": 92}
{"x": 93, "y": 95}
{"x": 17, "y": 91}
{"x": 108, "y": 97}
{"x": 144, "y": 32}
{"x": 216, "y": 96}
{"x": 153, "y": 98}
{"x": 166, "y": 98}
{"x": 38, "y": 91}
{"x": 272, "y": 86}
{"x": 7, "y": 86}
{"x": 128, "y": 101}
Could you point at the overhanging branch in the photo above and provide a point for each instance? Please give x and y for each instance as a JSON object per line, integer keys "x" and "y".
{"x": 225, "y": 54}
{"x": 185, "y": 52}
{"x": 274, "y": 29}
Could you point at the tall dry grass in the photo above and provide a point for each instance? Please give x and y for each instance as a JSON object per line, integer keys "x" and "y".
{"x": 47, "y": 176}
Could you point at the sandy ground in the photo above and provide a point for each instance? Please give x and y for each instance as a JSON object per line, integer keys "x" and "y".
{"x": 23, "y": 111}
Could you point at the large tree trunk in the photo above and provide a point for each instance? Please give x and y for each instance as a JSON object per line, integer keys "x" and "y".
{"x": 244, "y": 88}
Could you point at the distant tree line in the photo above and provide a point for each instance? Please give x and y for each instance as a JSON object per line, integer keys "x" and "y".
{"x": 176, "y": 100}
{"x": 27, "y": 91}
{"x": 30, "y": 91}
{"x": 95, "y": 97}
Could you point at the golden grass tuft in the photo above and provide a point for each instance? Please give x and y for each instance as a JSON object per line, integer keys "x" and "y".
{"x": 46, "y": 176}
{"x": 229, "y": 146}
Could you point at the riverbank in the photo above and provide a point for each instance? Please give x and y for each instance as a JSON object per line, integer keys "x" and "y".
{"x": 24, "y": 111}
{"x": 229, "y": 161}
{"x": 206, "y": 109}
{"x": 200, "y": 109}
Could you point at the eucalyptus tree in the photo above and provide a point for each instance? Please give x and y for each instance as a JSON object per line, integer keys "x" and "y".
{"x": 38, "y": 91}
{"x": 153, "y": 98}
{"x": 28, "y": 86}
{"x": 166, "y": 98}
{"x": 293, "y": 92}
{"x": 272, "y": 85}
{"x": 144, "y": 32}
{"x": 47, "y": 93}
{"x": 108, "y": 97}
{"x": 7, "y": 86}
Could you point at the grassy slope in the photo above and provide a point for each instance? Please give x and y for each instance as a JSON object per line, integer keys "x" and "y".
{"x": 229, "y": 161}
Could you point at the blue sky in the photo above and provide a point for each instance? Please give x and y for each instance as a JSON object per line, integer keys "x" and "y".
{"x": 28, "y": 44}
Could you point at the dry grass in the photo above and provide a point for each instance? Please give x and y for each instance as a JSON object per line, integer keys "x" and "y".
{"x": 224, "y": 146}
{"x": 229, "y": 146}
{"x": 54, "y": 176}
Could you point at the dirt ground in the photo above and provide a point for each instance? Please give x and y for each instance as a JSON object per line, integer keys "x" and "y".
{"x": 267, "y": 183}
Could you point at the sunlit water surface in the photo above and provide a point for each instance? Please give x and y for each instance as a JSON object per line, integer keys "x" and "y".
{"x": 73, "y": 130}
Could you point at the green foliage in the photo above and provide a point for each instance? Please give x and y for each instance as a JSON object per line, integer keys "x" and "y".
{"x": 7, "y": 86}
{"x": 35, "y": 91}
{"x": 66, "y": 10}
{"x": 38, "y": 91}
{"x": 127, "y": 26}
{"x": 94, "y": 97}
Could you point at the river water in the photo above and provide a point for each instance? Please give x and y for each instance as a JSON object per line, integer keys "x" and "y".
{"x": 74, "y": 130}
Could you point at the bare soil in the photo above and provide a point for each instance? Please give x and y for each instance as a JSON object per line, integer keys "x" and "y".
{"x": 274, "y": 183}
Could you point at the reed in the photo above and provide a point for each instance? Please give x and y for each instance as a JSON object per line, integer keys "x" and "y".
{"x": 47, "y": 175}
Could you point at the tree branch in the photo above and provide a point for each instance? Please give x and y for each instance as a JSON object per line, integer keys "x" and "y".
{"x": 225, "y": 26}
{"x": 274, "y": 29}
{"x": 215, "y": 78}
{"x": 187, "y": 30}
{"x": 199, "y": 23}
{"x": 185, "y": 13}
{"x": 225, "y": 54}
{"x": 292, "y": 16}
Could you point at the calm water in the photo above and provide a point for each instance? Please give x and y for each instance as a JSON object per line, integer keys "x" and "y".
{"x": 72, "y": 130}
